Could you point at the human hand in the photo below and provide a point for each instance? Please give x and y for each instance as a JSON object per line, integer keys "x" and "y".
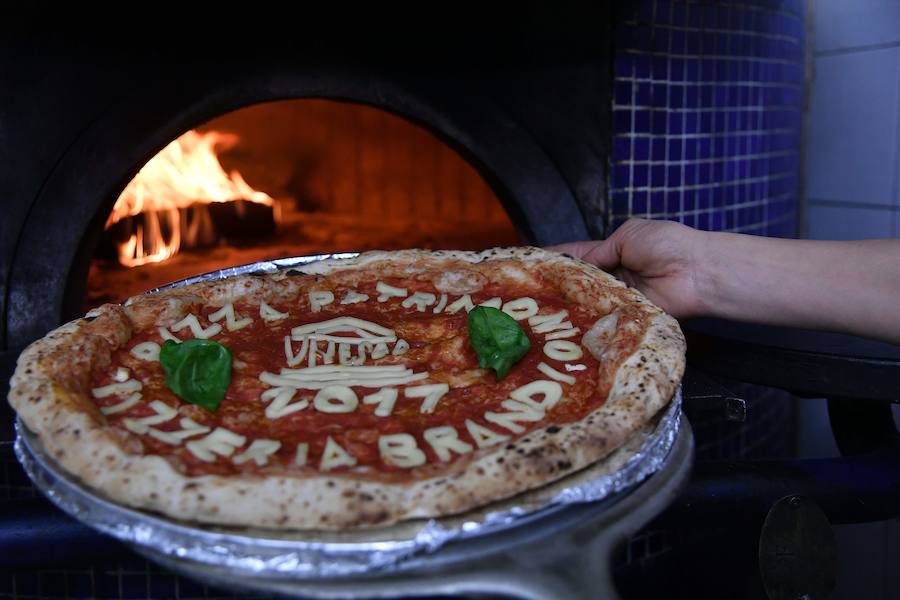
{"x": 662, "y": 259}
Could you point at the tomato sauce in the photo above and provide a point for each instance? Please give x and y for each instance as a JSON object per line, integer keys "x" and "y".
{"x": 438, "y": 345}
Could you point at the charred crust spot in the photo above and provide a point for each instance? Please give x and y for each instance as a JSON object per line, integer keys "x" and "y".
{"x": 564, "y": 465}
{"x": 281, "y": 520}
{"x": 500, "y": 460}
{"x": 294, "y": 273}
{"x": 201, "y": 497}
{"x": 366, "y": 497}
{"x": 510, "y": 446}
{"x": 89, "y": 319}
{"x": 480, "y": 471}
{"x": 242, "y": 491}
{"x": 553, "y": 429}
{"x": 76, "y": 432}
{"x": 154, "y": 495}
{"x": 188, "y": 487}
{"x": 348, "y": 493}
{"x": 329, "y": 483}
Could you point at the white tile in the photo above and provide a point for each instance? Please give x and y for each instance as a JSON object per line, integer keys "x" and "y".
{"x": 851, "y": 23}
{"x": 840, "y": 223}
{"x": 852, "y": 140}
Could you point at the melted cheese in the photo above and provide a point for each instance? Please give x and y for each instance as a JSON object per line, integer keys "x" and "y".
{"x": 336, "y": 399}
{"x": 554, "y": 374}
{"x": 301, "y": 454}
{"x": 221, "y": 441}
{"x": 328, "y": 356}
{"x": 563, "y": 350}
{"x": 550, "y": 390}
{"x": 516, "y": 411}
{"x": 547, "y": 323}
{"x": 281, "y": 402}
{"x": 268, "y": 314}
{"x": 431, "y": 393}
{"x": 460, "y": 303}
{"x": 334, "y": 456}
{"x": 189, "y": 428}
{"x": 295, "y": 359}
{"x": 259, "y": 452}
{"x": 385, "y": 398}
{"x": 570, "y": 367}
{"x": 521, "y": 308}
{"x": 386, "y": 292}
{"x": 148, "y": 351}
{"x": 496, "y": 302}
{"x": 343, "y": 324}
{"x": 483, "y": 436}
{"x": 122, "y": 375}
{"x": 400, "y": 450}
{"x": 444, "y": 440}
{"x": 441, "y": 304}
{"x": 400, "y": 347}
{"x": 232, "y": 322}
{"x": 193, "y": 324}
{"x": 163, "y": 411}
{"x": 124, "y": 405}
{"x": 379, "y": 351}
{"x": 113, "y": 389}
{"x": 565, "y": 333}
{"x": 421, "y": 300}
{"x": 165, "y": 334}
{"x": 318, "y": 299}
{"x": 354, "y": 297}
{"x": 351, "y": 379}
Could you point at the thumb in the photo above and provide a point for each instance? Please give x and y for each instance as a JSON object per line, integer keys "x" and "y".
{"x": 604, "y": 253}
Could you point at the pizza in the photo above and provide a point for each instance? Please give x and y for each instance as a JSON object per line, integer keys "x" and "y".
{"x": 351, "y": 393}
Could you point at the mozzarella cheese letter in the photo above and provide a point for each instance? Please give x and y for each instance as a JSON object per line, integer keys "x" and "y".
{"x": 400, "y": 450}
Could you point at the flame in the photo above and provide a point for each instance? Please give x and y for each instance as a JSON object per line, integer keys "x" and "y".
{"x": 184, "y": 173}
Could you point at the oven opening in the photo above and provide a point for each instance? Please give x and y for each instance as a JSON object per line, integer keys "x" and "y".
{"x": 289, "y": 178}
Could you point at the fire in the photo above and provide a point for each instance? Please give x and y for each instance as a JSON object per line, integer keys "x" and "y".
{"x": 185, "y": 173}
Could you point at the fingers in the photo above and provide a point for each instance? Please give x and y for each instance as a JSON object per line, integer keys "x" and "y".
{"x": 604, "y": 254}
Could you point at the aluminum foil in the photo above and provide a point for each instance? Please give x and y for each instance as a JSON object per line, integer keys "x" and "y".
{"x": 320, "y": 555}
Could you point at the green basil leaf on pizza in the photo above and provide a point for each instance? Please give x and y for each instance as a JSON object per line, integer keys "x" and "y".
{"x": 498, "y": 340}
{"x": 198, "y": 371}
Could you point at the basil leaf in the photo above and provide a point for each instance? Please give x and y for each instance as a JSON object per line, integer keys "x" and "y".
{"x": 198, "y": 371}
{"x": 497, "y": 338}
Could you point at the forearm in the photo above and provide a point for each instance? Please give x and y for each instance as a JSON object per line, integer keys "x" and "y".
{"x": 851, "y": 287}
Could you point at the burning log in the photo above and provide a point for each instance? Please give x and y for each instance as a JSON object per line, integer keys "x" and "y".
{"x": 199, "y": 225}
{"x": 183, "y": 196}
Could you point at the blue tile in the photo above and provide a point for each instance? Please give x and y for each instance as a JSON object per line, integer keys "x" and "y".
{"x": 658, "y": 149}
{"x": 642, "y": 148}
{"x": 642, "y": 95}
{"x": 842, "y": 24}
{"x": 621, "y": 147}
{"x": 840, "y": 223}
{"x": 853, "y": 127}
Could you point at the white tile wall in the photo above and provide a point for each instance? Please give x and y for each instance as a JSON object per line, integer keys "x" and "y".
{"x": 853, "y": 120}
{"x": 849, "y": 222}
{"x": 853, "y": 192}
{"x": 842, "y": 24}
{"x": 853, "y": 137}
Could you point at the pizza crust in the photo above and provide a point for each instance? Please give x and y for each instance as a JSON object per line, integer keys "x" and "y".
{"x": 51, "y": 392}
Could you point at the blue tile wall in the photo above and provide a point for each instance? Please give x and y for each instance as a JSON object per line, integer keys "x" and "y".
{"x": 707, "y": 112}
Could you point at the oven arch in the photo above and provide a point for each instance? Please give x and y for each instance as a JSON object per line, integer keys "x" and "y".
{"x": 49, "y": 268}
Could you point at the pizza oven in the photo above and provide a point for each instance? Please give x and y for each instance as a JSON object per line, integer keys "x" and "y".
{"x": 128, "y": 165}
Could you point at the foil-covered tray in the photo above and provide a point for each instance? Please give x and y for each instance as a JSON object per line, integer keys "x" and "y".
{"x": 318, "y": 554}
